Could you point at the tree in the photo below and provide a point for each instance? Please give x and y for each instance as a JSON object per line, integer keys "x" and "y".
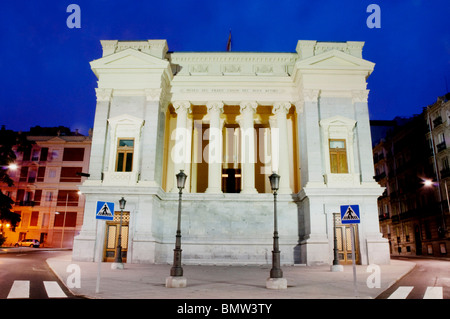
{"x": 8, "y": 140}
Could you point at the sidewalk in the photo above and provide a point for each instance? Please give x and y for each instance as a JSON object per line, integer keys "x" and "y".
{"x": 147, "y": 281}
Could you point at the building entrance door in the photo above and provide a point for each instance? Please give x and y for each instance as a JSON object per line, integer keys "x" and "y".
{"x": 112, "y": 237}
{"x": 231, "y": 180}
{"x": 344, "y": 243}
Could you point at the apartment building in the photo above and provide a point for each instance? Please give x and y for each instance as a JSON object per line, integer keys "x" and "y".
{"x": 45, "y": 190}
{"x": 413, "y": 168}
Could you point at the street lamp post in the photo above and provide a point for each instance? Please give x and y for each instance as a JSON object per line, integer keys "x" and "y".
{"x": 276, "y": 280}
{"x": 176, "y": 279}
{"x": 118, "y": 264}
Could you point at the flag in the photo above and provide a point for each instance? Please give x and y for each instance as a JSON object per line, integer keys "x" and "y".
{"x": 229, "y": 43}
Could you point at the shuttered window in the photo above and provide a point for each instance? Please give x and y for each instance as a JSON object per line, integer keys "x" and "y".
{"x": 338, "y": 157}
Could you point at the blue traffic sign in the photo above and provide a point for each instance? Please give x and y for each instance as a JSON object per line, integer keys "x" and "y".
{"x": 105, "y": 210}
{"x": 350, "y": 214}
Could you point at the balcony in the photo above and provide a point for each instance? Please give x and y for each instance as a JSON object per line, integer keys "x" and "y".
{"x": 437, "y": 121}
{"x": 25, "y": 203}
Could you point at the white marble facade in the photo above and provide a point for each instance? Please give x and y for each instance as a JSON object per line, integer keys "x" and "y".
{"x": 284, "y": 107}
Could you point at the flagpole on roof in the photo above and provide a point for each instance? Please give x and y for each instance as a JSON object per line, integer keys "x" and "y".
{"x": 229, "y": 42}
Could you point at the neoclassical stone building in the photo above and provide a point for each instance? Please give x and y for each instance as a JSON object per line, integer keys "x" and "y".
{"x": 228, "y": 119}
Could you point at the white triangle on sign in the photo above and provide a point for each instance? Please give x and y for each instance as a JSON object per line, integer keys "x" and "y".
{"x": 350, "y": 214}
{"x": 104, "y": 211}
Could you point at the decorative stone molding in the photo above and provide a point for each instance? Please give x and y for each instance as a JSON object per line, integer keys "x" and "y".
{"x": 215, "y": 106}
{"x": 360, "y": 96}
{"x": 182, "y": 106}
{"x": 281, "y": 107}
{"x": 299, "y": 104}
{"x": 103, "y": 95}
{"x": 311, "y": 95}
{"x": 153, "y": 94}
{"x": 248, "y": 106}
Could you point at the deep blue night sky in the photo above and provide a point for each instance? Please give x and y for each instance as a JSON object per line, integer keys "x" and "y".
{"x": 46, "y": 78}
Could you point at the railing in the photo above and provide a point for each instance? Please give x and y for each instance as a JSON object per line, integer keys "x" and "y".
{"x": 437, "y": 121}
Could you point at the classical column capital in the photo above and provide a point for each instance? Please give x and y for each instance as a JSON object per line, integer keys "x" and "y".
{"x": 103, "y": 95}
{"x": 281, "y": 107}
{"x": 299, "y": 105}
{"x": 153, "y": 94}
{"x": 214, "y": 106}
{"x": 248, "y": 106}
{"x": 182, "y": 106}
{"x": 360, "y": 96}
{"x": 311, "y": 95}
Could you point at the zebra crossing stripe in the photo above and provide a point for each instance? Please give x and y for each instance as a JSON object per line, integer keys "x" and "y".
{"x": 54, "y": 290}
{"x": 434, "y": 293}
{"x": 19, "y": 289}
{"x": 401, "y": 293}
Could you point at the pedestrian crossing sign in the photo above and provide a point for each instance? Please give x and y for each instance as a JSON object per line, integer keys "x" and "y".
{"x": 105, "y": 210}
{"x": 350, "y": 214}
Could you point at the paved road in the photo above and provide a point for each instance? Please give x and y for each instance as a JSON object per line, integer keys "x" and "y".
{"x": 430, "y": 279}
{"x": 26, "y": 275}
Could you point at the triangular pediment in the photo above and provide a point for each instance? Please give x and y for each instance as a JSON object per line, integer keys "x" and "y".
{"x": 56, "y": 139}
{"x": 337, "y": 120}
{"x": 335, "y": 59}
{"x": 129, "y": 59}
{"x": 125, "y": 119}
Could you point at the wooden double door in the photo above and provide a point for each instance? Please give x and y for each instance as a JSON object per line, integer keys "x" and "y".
{"x": 112, "y": 237}
{"x": 344, "y": 243}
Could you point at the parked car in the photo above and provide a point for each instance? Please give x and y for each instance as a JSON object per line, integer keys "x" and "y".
{"x": 28, "y": 243}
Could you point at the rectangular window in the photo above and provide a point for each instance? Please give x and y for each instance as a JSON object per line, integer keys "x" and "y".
{"x": 73, "y": 154}
{"x": 34, "y": 218}
{"x": 63, "y": 219}
{"x": 41, "y": 174}
{"x": 44, "y": 154}
{"x": 338, "y": 157}
{"x": 35, "y": 155}
{"x": 37, "y": 197}
{"x": 71, "y": 197}
{"x": 125, "y": 149}
{"x": 69, "y": 174}
{"x": 23, "y": 174}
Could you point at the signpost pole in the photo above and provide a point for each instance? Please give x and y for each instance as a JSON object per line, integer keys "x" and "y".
{"x": 99, "y": 260}
{"x": 104, "y": 211}
{"x": 353, "y": 260}
{"x": 350, "y": 215}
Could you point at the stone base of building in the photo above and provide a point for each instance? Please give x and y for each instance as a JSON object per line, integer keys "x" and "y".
{"x": 225, "y": 229}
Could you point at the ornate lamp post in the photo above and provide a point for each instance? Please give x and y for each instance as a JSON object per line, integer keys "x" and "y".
{"x": 276, "y": 280}
{"x": 118, "y": 260}
{"x": 177, "y": 270}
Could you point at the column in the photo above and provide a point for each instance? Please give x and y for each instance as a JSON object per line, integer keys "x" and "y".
{"x": 215, "y": 109}
{"x": 364, "y": 138}
{"x": 180, "y": 154}
{"x": 248, "y": 158}
{"x": 153, "y": 137}
{"x": 309, "y": 139}
{"x": 99, "y": 137}
{"x": 280, "y": 146}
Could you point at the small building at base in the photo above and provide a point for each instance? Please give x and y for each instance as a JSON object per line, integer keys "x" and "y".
{"x": 228, "y": 120}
